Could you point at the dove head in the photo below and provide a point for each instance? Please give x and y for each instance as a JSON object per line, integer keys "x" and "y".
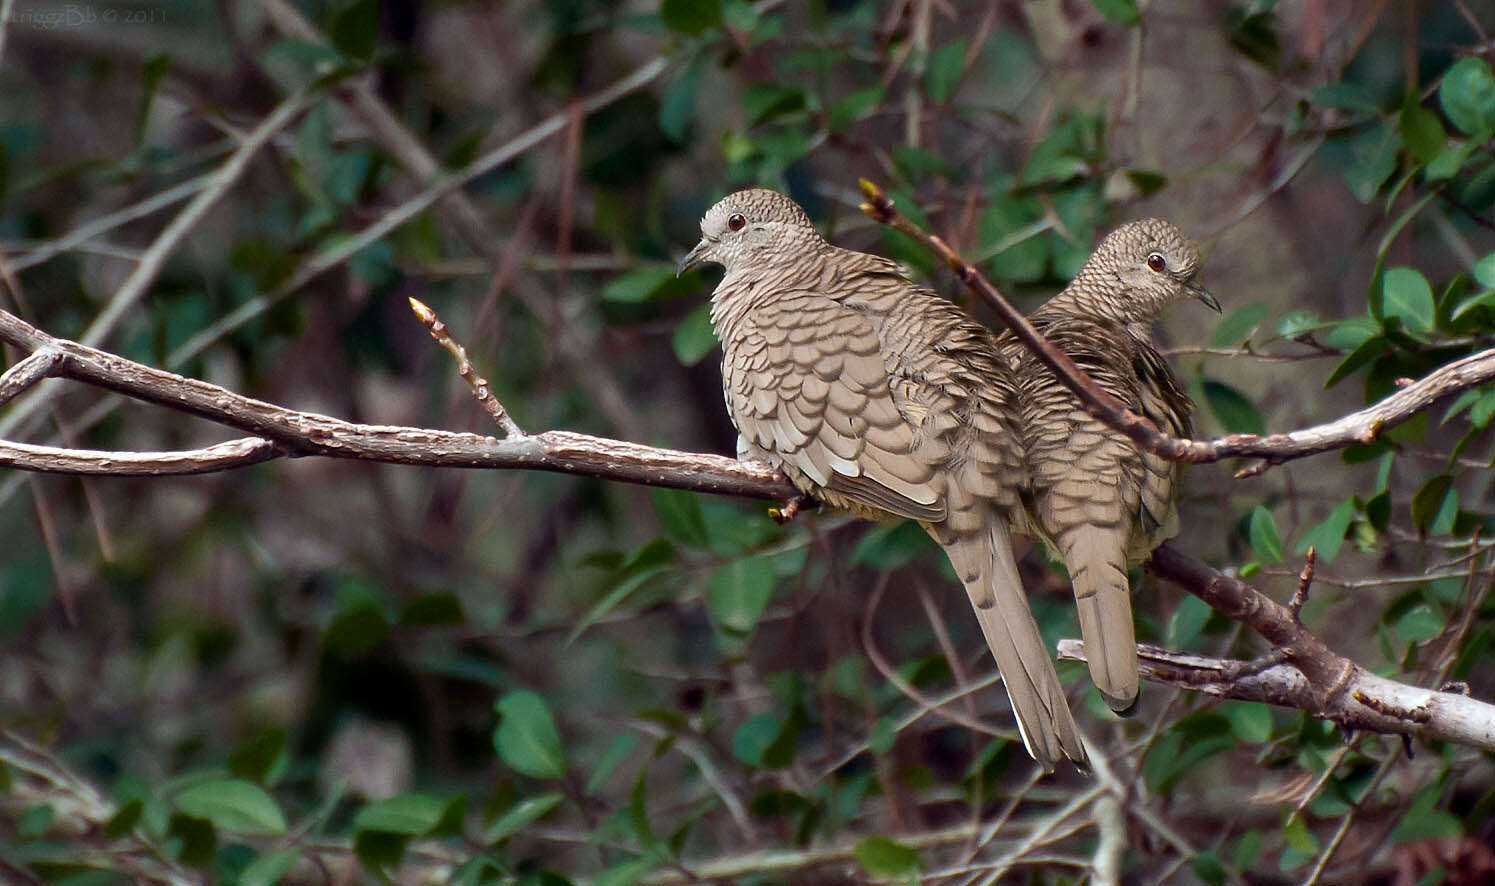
{"x": 1139, "y": 270}
{"x": 753, "y": 228}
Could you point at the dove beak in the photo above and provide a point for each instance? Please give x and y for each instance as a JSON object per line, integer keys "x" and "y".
{"x": 1203, "y": 295}
{"x": 695, "y": 257}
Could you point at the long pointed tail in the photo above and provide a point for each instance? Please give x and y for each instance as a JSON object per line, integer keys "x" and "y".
{"x": 985, "y": 564}
{"x": 1096, "y": 560}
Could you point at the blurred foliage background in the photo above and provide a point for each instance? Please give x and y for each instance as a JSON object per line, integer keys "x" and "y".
{"x": 339, "y": 672}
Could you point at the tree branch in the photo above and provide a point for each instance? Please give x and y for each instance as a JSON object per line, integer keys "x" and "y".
{"x": 210, "y": 459}
{"x": 1363, "y": 427}
{"x": 1363, "y": 702}
{"x": 1328, "y": 685}
{"x": 19, "y": 378}
{"x": 290, "y": 432}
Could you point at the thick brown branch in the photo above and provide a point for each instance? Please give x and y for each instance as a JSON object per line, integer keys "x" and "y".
{"x": 1364, "y": 426}
{"x": 1245, "y": 604}
{"x": 218, "y": 457}
{"x": 305, "y": 433}
{"x": 20, "y": 377}
{"x": 1369, "y": 702}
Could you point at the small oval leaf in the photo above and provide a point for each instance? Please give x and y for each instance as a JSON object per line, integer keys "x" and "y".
{"x": 526, "y": 737}
{"x": 233, "y": 804}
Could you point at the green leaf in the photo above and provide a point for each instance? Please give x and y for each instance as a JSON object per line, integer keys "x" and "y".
{"x": 1187, "y": 621}
{"x": 1405, "y": 293}
{"x": 233, "y": 804}
{"x": 1207, "y": 867}
{"x": 647, "y": 283}
{"x": 1424, "y": 821}
{"x": 1327, "y": 537}
{"x": 738, "y": 592}
{"x": 754, "y": 737}
{"x": 679, "y": 104}
{"x": 1467, "y": 94}
{"x": 1429, "y": 499}
{"x": 889, "y": 546}
{"x": 1298, "y": 838}
{"x": 740, "y": 15}
{"x": 946, "y": 65}
{"x": 355, "y": 28}
{"x": 31, "y": 824}
{"x": 917, "y": 163}
{"x": 1484, "y": 271}
{"x": 260, "y": 756}
{"x": 1122, "y": 12}
{"x": 1148, "y": 181}
{"x": 1265, "y": 539}
{"x": 1251, "y": 30}
{"x": 882, "y": 857}
{"x": 1251, "y": 721}
{"x": 626, "y": 873}
{"x": 1187, "y": 743}
{"x": 630, "y": 581}
{"x": 1346, "y": 96}
{"x": 1421, "y": 130}
{"x": 1235, "y": 412}
{"x": 1450, "y": 161}
{"x": 1374, "y": 159}
{"x": 1378, "y": 510}
{"x": 779, "y": 804}
{"x": 270, "y": 868}
{"x": 691, "y": 16}
{"x": 413, "y": 815}
{"x": 854, "y": 106}
{"x": 679, "y": 514}
{"x": 694, "y": 338}
{"x": 1010, "y": 233}
{"x": 520, "y": 815}
{"x": 617, "y": 751}
{"x": 1237, "y": 328}
{"x": 435, "y": 608}
{"x": 150, "y": 80}
{"x": 356, "y": 629}
{"x": 1418, "y": 624}
{"x": 762, "y": 102}
{"x": 1246, "y": 850}
{"x": 1346, "y": 335}
{"x": 1361, "y": 355}
{"x": 1482, "y": 299}
{"x": 1482, "y": 410}
{"x": 1296, "y": 323}
{"x": 883, "y": 735}
{"x": 526, "y": 737}
{"x": 1460, "y": 403}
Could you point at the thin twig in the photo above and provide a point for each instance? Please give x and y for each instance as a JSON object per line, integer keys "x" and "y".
{"x": 479, "y": 385}
{"x": 33, "y": 368}
{"x": 42, "y": 252}
{"x": 1305, "y": 581}
{"x": 1346, "y": 820}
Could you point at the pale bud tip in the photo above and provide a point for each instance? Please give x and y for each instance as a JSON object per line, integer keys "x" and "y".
{"x": 422, "y": 313}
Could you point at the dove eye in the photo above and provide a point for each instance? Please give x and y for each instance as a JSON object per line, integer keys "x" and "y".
{"x": 736, "y": 222}
{"x": 1157, "y": 262}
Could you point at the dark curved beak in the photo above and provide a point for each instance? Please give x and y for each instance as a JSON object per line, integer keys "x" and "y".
{"x": 1203, "y": 295}
{"x": 696, "y": 256}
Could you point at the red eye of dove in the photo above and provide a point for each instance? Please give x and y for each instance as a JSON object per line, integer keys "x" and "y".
{"x": 736, "y": 222}
{"x": 1157, "y": 262}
